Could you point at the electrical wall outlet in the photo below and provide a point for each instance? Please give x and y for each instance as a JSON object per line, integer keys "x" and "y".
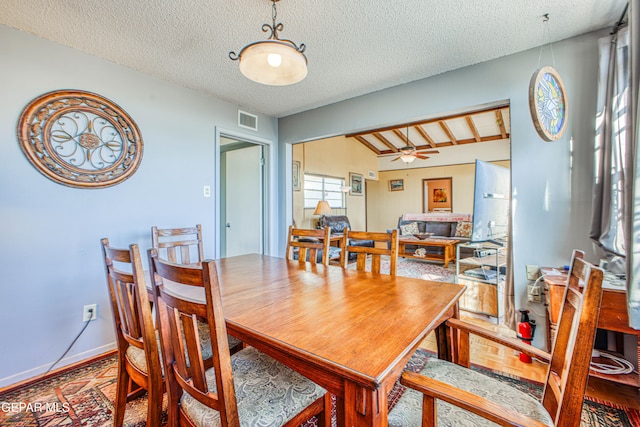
{"x": 535, "y": 293}
{"x": 533, "y": 272}
{"x": 90, "y": 312}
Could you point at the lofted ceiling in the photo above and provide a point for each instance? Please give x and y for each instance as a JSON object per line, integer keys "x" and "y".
{"x": 353, "y": 47}
{"x": 472, "y": 127}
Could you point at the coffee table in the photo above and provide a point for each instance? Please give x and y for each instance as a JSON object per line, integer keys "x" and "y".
{"x": 448, "y": 248}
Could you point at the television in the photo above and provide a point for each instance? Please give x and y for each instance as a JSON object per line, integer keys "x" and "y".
{"x": 491, "y": 200}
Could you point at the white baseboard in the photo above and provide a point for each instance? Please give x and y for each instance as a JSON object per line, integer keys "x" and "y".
{"x": 39, "y": 370}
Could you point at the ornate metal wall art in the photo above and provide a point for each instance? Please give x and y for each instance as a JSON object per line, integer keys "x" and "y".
{"x": 80, "y": 139}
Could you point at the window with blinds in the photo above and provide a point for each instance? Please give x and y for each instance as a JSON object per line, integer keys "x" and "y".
{"x": 318, "y": 187}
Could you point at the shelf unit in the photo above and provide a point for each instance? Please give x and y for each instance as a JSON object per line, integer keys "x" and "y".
{"x": 612, "y": 317}
{"x": 482, "y": 294}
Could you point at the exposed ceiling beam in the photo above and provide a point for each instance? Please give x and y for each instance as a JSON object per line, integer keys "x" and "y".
{"x": 473, "y": 128}
{"x": 426, "y": 136}
{"x": 368, "y": 144}
{"x": 422, "y": 139}
{"x": 426, "y": 122}
{"x": 385, "y": 141}
{"x": 448, "y": 132}
{"x": 403, "y": 137}
{"x": 500, "y": 122}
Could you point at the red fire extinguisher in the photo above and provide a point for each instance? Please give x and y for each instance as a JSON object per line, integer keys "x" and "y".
{"x": 526, "y": 329}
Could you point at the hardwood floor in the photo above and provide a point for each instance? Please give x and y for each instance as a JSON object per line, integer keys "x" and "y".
{"x": 486, "y": 353}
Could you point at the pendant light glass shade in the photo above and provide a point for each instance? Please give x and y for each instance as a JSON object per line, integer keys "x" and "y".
{"x": 407, "y": 158}
{"x": 273, "y": 63}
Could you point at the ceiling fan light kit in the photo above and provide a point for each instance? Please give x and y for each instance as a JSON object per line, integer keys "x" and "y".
{"x": 407, "y": 158}
{"x": 275, "y": 61}
{"x": 408, "y": 153}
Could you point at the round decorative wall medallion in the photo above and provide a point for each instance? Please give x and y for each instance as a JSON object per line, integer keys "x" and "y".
{"x": 548, "y": 103}
{"x": 80, "y": 139}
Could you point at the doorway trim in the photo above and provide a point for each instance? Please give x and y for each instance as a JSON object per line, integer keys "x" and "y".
{"x": 270, "y": 189}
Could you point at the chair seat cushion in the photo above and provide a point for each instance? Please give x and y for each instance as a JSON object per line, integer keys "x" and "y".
{"x": 408, "y": 411}
{"x": 137, "y": 358}
{"x": 268, "y": 393}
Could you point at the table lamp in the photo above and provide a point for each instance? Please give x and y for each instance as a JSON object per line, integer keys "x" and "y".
{"x": 322, "y": 208}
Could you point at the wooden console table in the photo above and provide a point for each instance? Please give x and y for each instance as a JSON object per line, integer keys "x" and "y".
{"x": 613, "y": 315}
{"x": 448, "y": 249}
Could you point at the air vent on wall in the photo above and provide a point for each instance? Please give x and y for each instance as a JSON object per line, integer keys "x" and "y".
{"x": 247, "y": 121}
{"x": 372, "y": 175}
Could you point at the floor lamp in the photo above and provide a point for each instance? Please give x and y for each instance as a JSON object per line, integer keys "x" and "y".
{"x": 345, "y": 189}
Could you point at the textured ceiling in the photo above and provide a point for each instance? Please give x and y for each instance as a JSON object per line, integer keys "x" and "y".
{"x": 354, "y": 47}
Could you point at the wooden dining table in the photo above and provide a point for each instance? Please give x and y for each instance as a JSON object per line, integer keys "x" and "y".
{"x": 351, "y": 332}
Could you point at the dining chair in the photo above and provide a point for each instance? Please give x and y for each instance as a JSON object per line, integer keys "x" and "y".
{"x": 248, "y": 388}
{"x": 139, "y": 360}
{"x": 184, "y": 246}
{"x": 445, "y": 393}
{"x": 179, "y": 245}
{"x": 384, "y": 244}
{"x": 311, "y": 245}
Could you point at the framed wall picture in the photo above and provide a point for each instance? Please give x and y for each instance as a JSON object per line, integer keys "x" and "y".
{"x": 437, "y": 195}
{"x": 357, "y": 184}
{"x": 396, "y": 184}
{"x": 295, "y": 176}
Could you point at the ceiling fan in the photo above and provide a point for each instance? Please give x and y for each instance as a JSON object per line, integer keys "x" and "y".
{"x": 408, "y": 153}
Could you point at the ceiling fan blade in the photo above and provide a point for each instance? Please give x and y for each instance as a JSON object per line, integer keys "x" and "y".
{"x": 428, "y": 152}
{"x": 397, "y": 158}
{"x": 420, "y": 156}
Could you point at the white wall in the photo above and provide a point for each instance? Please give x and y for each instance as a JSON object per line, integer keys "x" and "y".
{"x": 551, "y": 182}
{"x": 50, "y": 255}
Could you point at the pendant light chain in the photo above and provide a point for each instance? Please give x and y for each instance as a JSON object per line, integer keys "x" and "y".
{"x": 275, "y": 27}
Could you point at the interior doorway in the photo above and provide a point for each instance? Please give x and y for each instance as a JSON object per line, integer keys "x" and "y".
{"x": 242, "y": 197}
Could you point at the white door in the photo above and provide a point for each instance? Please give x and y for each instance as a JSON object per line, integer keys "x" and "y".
{"x": 242, "y": 201}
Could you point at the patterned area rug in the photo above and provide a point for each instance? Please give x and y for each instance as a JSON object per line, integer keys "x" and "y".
{"x": 85, "y": 396}
{"x": 415, "y": 268}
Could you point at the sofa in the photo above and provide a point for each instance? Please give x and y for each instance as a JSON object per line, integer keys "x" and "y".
{"x": 441, "y": 227}
{"x": 338, "y": 223}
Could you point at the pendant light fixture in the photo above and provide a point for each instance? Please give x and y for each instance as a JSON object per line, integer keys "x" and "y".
{"x": 275, "y": 61}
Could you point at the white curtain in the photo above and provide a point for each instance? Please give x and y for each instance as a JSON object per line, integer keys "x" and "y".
{"x": 616, "y": 203}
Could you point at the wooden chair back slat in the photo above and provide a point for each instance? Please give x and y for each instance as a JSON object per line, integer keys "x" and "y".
{"x": 384, "y": 244}
{"x": 571, "y": 354}
{"x": 308, "y": 250}
{"x": 184, "y": 361}
{"x": 179, "y": 245}
{"x": 134, "y": 326}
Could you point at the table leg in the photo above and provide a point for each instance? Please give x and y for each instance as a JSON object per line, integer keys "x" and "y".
{"x": 448, "y": 255}
{"x": 340, "y": 412}
{"x": 364, "y": 407}
{"x": 443, "y": 340}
